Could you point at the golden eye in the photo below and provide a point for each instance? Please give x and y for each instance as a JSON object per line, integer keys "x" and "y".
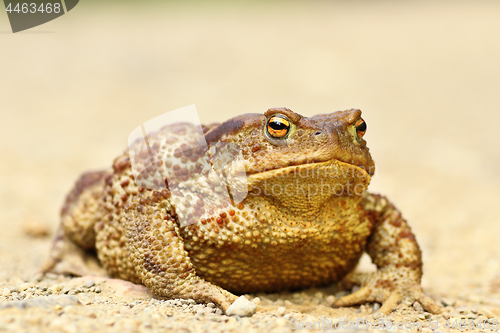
{"x": 278, "y": 126}
{"x": 360, "y": 128}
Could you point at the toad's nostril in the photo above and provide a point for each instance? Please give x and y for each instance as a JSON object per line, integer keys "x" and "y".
{"x": 317, "y": 133}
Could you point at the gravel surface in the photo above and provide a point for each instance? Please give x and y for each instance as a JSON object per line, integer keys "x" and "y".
{"x": 426, "y": 75}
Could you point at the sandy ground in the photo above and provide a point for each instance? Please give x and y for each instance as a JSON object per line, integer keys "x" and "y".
{"x": 425, "y": 74}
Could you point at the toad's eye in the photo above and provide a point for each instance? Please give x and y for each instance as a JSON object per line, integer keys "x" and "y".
{"x": 360, "y": 128}
{"x": 278, "y": 126}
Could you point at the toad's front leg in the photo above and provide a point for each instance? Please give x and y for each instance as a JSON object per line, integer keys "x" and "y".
{"x": 395, "y": 252}
{"x": 161, "y": 261}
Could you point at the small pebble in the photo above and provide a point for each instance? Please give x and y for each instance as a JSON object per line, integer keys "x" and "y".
{"x": 89, "y": 284}
{"x": 6, "y": 292}
{"x": 55, "y": 288}
{"x": 378, "y": 315}
{"x": 281, "y": 311}
{"x": 376, "y": 307}
{"x": 330, "y": 299}
{"x": 418, "y": 307}
{"x": 24, "y": 286}
{"x": 318, "y": 295}
{"x": 241, "y": 307}
{"x": 256, "y": 301}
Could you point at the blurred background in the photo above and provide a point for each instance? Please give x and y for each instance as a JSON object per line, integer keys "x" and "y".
{"x": 426, "y": 75}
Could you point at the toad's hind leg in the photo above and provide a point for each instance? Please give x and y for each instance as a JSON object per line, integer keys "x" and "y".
{"x": 73, "y": 250}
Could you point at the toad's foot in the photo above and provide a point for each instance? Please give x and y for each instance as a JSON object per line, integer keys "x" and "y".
{"x": 390, "y": 290}
{"x": 68, "y": 258}
{"x": 394, "y": 250}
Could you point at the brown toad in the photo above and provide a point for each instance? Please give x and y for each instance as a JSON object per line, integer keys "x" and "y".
{"x": 305, "y": 222}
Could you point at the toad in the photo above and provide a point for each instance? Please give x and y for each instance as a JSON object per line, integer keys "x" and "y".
{"x": 305, "y": 220}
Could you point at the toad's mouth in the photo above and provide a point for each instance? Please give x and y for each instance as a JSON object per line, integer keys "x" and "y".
{"x": 334, "y": 164}
{"x": 332, "y": 168}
